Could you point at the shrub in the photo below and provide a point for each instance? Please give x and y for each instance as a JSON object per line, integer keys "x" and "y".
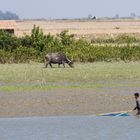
{"x": 24, "y": 54}
{"x": 35, "y": 46}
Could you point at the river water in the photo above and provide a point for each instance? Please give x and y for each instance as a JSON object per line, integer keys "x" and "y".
{"x": 70, "y": 128}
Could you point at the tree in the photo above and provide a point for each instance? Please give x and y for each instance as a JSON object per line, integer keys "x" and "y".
{"x": 8, "y": 15}
{"x": 133, "y": 15}
{"x": 89, "y": 16}
{"x": 38, "y": 39}
{"x": 117, "y": 16}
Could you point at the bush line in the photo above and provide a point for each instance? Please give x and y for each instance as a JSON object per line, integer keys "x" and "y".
{"x": 33, "y": 47}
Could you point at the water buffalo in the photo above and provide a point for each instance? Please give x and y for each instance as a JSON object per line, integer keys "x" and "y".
{"x": 57, "y": 58}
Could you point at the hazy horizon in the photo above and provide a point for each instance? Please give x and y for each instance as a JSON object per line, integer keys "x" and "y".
{"x": 30, "y": 9}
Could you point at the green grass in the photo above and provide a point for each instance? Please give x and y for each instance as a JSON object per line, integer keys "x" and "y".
{"x": 24, "y": 77}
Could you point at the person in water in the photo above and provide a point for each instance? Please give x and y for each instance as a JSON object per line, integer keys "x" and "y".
{"x": 136, "y": 95}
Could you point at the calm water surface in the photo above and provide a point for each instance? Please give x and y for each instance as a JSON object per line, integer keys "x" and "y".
{"x": 70, "y": 128}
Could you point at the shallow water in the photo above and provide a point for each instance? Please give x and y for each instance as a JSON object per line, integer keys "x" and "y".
{"x": 70, "y": 128}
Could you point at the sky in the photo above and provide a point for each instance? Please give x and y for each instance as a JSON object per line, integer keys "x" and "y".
{"x": 58, "y": 9}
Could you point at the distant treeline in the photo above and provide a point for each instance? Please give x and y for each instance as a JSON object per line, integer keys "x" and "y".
{"x": 34, "y": 47}
{"x": 8, "y": 16}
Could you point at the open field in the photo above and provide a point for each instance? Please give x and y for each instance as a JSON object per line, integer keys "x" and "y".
{"x": 90, "y": 88}
{"x": 81, "y": 27}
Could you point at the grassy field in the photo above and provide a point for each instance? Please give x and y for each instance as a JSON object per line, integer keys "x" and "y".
{"x": 27, "y": 77}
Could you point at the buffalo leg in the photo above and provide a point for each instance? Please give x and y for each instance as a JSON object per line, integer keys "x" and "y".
{"x": 46, "y": 64}
{"x": 59, "y": 65}
{"x": 63, "y": 64}
{"x": 50, "y": 65}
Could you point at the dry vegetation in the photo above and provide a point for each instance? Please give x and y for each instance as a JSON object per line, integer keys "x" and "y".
{"x": 81, "y": 27}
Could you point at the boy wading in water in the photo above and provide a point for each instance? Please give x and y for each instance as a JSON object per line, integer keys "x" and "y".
{"x": 136, "y": 95}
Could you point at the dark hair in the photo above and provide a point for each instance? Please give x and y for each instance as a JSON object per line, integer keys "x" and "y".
{"x": 136, "y": 94}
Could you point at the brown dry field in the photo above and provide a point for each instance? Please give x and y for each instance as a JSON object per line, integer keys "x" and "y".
{"x": 80, "y": 27}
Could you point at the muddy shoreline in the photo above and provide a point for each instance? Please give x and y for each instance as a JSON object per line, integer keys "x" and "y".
{"x": 58, "y": 102}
